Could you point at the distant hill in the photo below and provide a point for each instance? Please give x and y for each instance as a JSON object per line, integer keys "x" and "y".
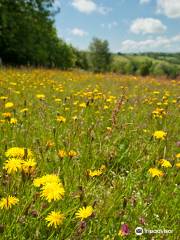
{"x": 173, "y": 58}
{"x": 150, "y": 63}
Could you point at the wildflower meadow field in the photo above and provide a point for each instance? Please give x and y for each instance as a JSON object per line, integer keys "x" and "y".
{"x": 88, "y": 156}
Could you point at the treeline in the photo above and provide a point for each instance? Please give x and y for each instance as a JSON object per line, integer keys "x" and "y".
{"x": 99, "y": 59}
{"x": 28, "y": 37}
{"x": 145, "y": 67}
{"x": 173, "y": 58}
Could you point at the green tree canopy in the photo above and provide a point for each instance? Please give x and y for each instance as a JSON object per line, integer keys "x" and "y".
{"x": 28, "y": 36}
{"x": 100, "y": 56}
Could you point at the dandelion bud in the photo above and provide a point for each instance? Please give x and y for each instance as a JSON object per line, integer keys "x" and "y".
{"x": 25, "y": 153}
{"x": 2, "y": 228}
{"x": 34, "y": 213}
{"x": 82, "y": 224}
{"x": 5, "y": 147}
{"x": 142, "y": 220}
{"x": 125, "y": 202}
{"x": 54, "y": 131}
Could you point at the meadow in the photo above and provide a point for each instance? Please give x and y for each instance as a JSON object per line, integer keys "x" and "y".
{"x": 88, "y": 156}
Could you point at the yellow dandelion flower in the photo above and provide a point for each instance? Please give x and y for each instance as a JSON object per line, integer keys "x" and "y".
{"x": 98, "y": 172}
{"x": 130, "y": 108}
{"x": 17, "y": 152}
{"x": 159, "y": 135}
{"x": 6, "y": 115}
{"x": 159, "y": 113}
{"x": 74, "y": 118}
{"x": 52, "y": 191}
{"x": 95, "y": 173}
{"x": 75, "y": 103}
{"x": 50, "y": 144}
{"x": 72, "y": 153}
{"x": 55, "y": 219}
{"x": 84, "y": 212}
{"x": 9, "y": 105}
{"x": 145, "y": 130}
{"x": 3, "y": 98}
{"x": 8, "y": 202}
{"x": 109, "y": 100}
{"x": 178, "y": 165}
{"x": 13, "y": 165}
{"x": 178, "y": 155}
{"x": 24, "y": 110}
{"x": 165, "y": 103}
{"x": 165, "y": 163}
{"x": 155, "y": 172}
{"x": 13, "y": 121}
{"x": 49, "y": 178}
{"x": 13, "y": 83}
{"x": 61, "y": 119}
{"x": 62, "y": 153}
{"x": 82, "y": 105}
{"x": 105, "y": 107}
{"x": 58, "y": 100}
{"x": 156, "y": 92}
{"x": 29, "y": 166}
{"x": 40, "y": 96}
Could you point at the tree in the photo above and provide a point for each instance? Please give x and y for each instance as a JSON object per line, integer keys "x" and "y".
{"x": 100, "y": 56}
{"x": 28, "y": 35}
{"x": 24, "y": 31}
{"x": 81, "y": 59}
{"x": 64, "y": 56}
{"x": 118, "y": 65}
{"x": 131, "y": 67}
{"x": 165, "y": 69}
{"x": 145, "y": 68}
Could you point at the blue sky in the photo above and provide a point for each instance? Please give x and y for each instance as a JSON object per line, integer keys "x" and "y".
{"x": 128, "y": 25}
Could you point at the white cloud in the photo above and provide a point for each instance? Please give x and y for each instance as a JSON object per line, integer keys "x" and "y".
{"x": 176, "y": 38}
{"x": 109, "y": 25}
{"x": 89, "y": 6}
{"x": 86, "y": 6}
{"x": 78, "y": 32}
{"x": 150, "y": 44}
{"x": 144, "y": 1}
{"x": 170, "y": 8}
{"x": 147, "y": 26}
